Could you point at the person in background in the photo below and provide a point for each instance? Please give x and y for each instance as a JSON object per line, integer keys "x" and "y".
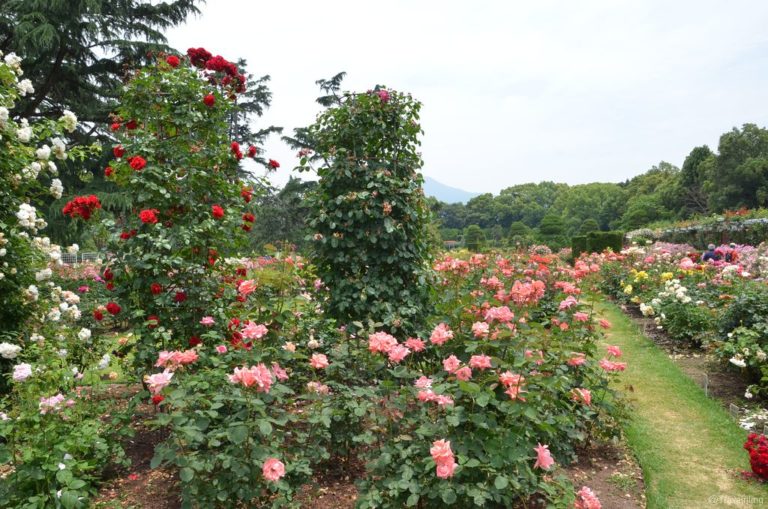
{"x": 710, "y": 254}
{"x": 731, "y": 256}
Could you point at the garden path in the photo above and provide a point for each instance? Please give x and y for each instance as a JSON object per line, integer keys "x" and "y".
{"x": 689, "y": 447}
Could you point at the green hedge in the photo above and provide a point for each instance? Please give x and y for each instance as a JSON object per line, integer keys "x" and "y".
{"x": 578, "y": 245}
{"x": 597, "y": 242}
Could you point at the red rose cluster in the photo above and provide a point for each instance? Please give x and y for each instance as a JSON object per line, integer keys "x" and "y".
{"x": 81, "y": 206}
{"x": 203, "y": 59}
{"x": 248, "y": 219}
{"x": 757, "y": 446}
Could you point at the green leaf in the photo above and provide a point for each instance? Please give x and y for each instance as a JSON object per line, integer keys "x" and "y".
{"x": 186, "y": 474}
{"x": 237, "y": 434}
{"x": 412, "y": 500}
{"x": 64, "y": 476}
{"x": 265, "y": 427}
{"x": 501, "y": 482}
{"x": 69, "y": 499}
{"x": 449, "y": 496}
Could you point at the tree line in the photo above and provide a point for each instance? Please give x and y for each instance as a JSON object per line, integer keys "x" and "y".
{"x": 734, "y": 177}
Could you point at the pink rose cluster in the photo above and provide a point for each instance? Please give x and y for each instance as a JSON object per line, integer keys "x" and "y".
{"x": 426, "y": 394}
{"x": 586, "y": 499}
{"x": 381, "y": 342}
{"x": 259, "y": 376}
{"x": 254, "y": 330}
{"x": 54, "y": 403}
{"x": 444, "y": 461}
{"x": 514, "y": 384}
{"x": 158, "y": 381}
{"x": 441, "y": 334}
{"x": 173, "y": 360}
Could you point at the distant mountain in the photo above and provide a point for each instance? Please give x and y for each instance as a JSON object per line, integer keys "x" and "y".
{"x": 444, "y": 193}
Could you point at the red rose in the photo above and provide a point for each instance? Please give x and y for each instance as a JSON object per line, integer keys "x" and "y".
{"x": 128, "y": 235}
{"x": 241, "y": 271}
{"x": 110, "y": 286}
{"x": 152, "y": 321}
{"x": 108, "y": 171}
{"x": 217, "y": 211}
{"x": 246, "y": 227}
{"x": 249, "y": 217}
{"x": 198, "y": 56}
{"x": 180, "y": 297}
{"x": 209, "y": 100}
{"x": 247, "y": 194}
{"x": 173, "y": 61}
{"x": 157, "y": 399}
{"x": 98, "y": 315}
{"x": 274, "y": 164}
{"x": 148, "y": 216}
{"x": 113, "y": 308}
{"x": 131, "y": 125}
{"x": 252, "y": 151}
{"x": 115, "y": 126}
{"x": 137, "y": 163}
{"x": 108, "y": 275}
{"x": 194, "y": 341}
{"x": 118, "y": 151}
{"x": 81, "y": 206}
{"x": 155, "y": 288}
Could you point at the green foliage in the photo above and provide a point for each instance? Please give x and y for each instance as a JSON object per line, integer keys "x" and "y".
{"x": 578, "y": 245}
{"x": 191, "y": 170}
{"x": 740, "y": 178}
{"x": 369, "y": 214}
{"x": 597, "y": 241}
{"x": 589, "y": 225}
{"x": 474, "y": 238}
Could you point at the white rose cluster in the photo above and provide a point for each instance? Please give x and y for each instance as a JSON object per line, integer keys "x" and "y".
{"x": 57, "y": 188}
{"x": 9, "y": 351}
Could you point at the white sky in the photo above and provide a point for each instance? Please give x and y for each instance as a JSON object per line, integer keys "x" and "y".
{"x": 513, "y": 92}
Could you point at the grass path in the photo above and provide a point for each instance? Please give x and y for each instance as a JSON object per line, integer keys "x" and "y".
{"x": 688, "y": 446}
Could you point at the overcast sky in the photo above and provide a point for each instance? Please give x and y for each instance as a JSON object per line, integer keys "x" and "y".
{"x": 513, "y": 92}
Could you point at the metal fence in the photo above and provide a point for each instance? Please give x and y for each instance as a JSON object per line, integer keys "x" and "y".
{"x": 71, "y": 259}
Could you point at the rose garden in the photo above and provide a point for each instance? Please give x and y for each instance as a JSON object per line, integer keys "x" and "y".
{"x": 423, "y": 378}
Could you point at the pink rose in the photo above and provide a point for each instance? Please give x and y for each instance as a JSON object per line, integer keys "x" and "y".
{"x": 273, "y": 469}
{"x": 480, "y": 362}
{"x": 207, "y": 321}
{"x": 451, "y": 364}
{"x": 543, "y": 457}
{"x": 319, "y": 361}
{"x": 222, "y": 349}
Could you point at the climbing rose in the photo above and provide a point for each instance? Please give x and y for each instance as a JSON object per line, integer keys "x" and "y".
{"x": 173, "y": 61}
{"x": 273, "y": 469}
{"x": 274, "y": 164}
{"x": 209, "y": 100}
{"x": 137, "y": 163}
{"x": 217, "y": 211}
{"x": 148, "y": 216}
{"x": 543, "y": 457}
{"x": 81, "y": 206}
{"x": 252, "y": 151}
{"x": 118, "y": 151}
